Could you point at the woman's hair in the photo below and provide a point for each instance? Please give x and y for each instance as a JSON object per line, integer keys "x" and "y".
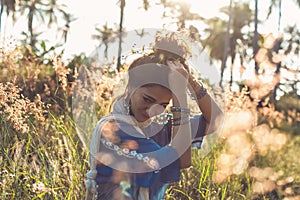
{"x": 152, "y": 68}
{"x": 166, "y": 48}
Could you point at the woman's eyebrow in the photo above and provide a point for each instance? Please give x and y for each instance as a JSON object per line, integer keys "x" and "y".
{"x": 154, "y": 100}
{"x": 151, "y": 98}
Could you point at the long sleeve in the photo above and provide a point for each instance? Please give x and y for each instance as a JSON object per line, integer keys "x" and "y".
{"x": 198, "y": 127}
{"x": 138, "y": 158}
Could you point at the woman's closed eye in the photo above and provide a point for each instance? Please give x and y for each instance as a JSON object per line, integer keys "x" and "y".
{"x": 148, "y": 100}
{"x": 151, "y": 100}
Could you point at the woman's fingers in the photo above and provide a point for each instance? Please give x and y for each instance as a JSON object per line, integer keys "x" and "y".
{"x": 174, "y": 64}
{"x": 178, "y": 78}
{"x": 178, "y": 67}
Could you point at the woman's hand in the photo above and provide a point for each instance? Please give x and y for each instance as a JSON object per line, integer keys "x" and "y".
{"x": 179, "y": 76}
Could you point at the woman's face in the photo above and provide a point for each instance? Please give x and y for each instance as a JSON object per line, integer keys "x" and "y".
{"x": 149, "y": 101}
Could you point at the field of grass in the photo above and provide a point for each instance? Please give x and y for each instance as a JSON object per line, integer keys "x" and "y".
{"x": 44, "y": 157}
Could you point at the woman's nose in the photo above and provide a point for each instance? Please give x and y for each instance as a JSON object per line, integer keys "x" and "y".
{"x": 155, "y": 109}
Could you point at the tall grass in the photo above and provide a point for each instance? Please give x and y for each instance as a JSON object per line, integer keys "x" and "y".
{"x": 44, "y": 163}
{"x": 41, "y": 154}
{"x": 251, "y": 159}
{"x": 43, "y": 157}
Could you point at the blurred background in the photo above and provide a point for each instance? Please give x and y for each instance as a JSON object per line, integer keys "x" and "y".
{"x": 47, "y": 57}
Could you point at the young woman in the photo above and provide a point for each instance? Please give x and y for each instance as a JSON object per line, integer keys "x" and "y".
{"x": 132, "y": 155}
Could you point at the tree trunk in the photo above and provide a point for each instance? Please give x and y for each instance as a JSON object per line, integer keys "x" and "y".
{"x": 226, "y": 45}
{"x": 120, "y": 35}
{"x": 276, "y": 49}
{"x": 1, "y": 12}
{"x": 255, "y": 38}
{"x": 279, "y": 16}
{"x": 231, "y": 71}
{"x": 106, "y": 51}
{"x": 29, "y": 25}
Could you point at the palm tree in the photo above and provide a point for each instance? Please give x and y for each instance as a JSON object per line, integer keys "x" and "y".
{"x": 275, "y": 3}
{"x": 215, "y": 38}
{"x": 278, "y": 3}
{"x": 9, "y": 6}
{"x": 122, "y": 4}
{"x": 291, "y": 47}
{"x": 68, "y": 19}
{"x": 277, "y": 46}
{"x": 226, "y": 45}
{"x": 45, "y": 13}
{"x": 180, "y": 11}
{"x": 218, "y": 32}
{"x": 294, "y": 39}
{"x": 241, "y": 17}
{"x": 255, "y": 38}
{"x": 33, "y": 10}
{"x": 105, "y": 35}
{"x": 54, "y": 11}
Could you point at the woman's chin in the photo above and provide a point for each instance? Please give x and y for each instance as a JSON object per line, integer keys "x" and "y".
{"x": 142, "y": 118}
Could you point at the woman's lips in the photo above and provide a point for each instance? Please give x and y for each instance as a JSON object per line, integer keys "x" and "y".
{"x": 142, "y": 116}
{"x": 146, "y": 115}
